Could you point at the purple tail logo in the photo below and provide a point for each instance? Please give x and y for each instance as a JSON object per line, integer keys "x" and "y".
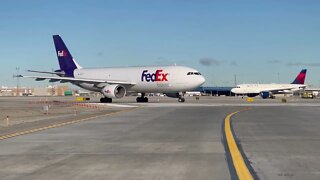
{"x": 62, "y": 53}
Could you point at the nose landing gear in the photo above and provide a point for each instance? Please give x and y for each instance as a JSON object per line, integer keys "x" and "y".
{"x": 181, "y": 97}
{"x": 181, "y": 100}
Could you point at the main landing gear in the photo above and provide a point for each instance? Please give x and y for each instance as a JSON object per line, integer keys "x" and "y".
{"x": 106, "y": 100}
{"x": 181, "y": 97}
{"x": 142, "y": 98}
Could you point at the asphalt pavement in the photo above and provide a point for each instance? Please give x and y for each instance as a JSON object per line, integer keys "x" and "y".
{"x": 281, "y": 142}
{"x": 147, "y": 143}
{"x": 164, "y": 139}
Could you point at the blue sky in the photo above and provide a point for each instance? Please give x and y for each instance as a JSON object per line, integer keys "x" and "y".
{"x": 258, "y": 41}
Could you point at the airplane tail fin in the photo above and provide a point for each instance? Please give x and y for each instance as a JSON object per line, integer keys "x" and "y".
{"x": 66, "y": 61}
{"x": 301, "y": 77}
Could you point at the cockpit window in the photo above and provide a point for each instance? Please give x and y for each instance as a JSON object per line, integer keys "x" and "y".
{"x": 193, "y": 73}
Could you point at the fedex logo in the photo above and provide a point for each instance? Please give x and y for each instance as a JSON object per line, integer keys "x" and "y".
{"x": 157, "y": 76}
{"x": 62, "y": 53}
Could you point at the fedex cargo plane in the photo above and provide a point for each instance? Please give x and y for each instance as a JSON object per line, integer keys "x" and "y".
{"x": 267, "y": 90}
{"x": 116, "y": 82}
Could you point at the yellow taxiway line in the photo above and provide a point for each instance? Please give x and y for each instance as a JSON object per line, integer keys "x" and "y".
{"x": 237, "y": 159}
{"x": 3, "y": 137}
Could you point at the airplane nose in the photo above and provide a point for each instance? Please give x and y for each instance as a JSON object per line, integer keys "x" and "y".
{"x": 202, "y": 80}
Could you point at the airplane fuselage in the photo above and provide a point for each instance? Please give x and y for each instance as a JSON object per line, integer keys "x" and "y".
{"x": 157, "y": 79}
{"x": 116, "y": 82}
{"x": 258, "y": 88}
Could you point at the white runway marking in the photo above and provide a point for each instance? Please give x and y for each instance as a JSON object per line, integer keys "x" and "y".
{"x": 113, "y": 105}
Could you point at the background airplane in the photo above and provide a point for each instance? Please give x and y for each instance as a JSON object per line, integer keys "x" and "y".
{"x": 174, "y": 81}
{"x": 267, "y": 90}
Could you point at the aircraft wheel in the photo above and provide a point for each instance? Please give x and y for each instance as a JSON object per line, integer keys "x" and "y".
{"x": 181, "y": 100}
{"x": 140, "y": 99}
{"x": 106, "y": 100}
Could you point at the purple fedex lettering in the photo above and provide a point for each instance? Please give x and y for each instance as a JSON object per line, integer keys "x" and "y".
{"x": 157, "y": 76}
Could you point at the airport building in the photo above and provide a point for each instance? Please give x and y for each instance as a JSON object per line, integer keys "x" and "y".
{"x": 41, "y": 91}
{"x": 215, "y": 91}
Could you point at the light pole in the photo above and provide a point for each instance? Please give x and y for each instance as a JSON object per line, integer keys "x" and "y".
{"x": 52, "y": 85}
{"x": 18, "y": 78}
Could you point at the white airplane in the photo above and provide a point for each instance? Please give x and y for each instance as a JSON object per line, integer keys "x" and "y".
{"x": 116, "y": 82}
{"x": 267, "y": 90}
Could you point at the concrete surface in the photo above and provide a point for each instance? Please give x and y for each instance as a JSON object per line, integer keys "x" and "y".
{"x": 162, "y": 139}
{"x": 31, "y": 109}
{"x": 281, "y": 142}
{"x": 148, "y": 143}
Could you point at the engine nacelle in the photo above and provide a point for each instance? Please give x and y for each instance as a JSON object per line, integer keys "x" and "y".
{"x": 114, "y": 91}
{"x": 265, "y": 94}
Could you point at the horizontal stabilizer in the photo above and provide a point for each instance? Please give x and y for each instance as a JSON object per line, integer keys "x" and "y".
{"x": 59, "y": 73}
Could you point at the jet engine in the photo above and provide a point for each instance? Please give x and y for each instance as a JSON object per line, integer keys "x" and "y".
{"x": 114, "y": 91}
{"x": 265, "y": 94}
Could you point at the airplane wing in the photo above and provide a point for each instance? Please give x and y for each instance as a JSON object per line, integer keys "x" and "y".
{"x": 275, "y": 90}
{"x": 46, "y": 72}
{"x": 77, "y": 80}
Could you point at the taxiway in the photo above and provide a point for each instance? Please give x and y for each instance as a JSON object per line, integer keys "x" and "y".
{"x": 167, "y": 140}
